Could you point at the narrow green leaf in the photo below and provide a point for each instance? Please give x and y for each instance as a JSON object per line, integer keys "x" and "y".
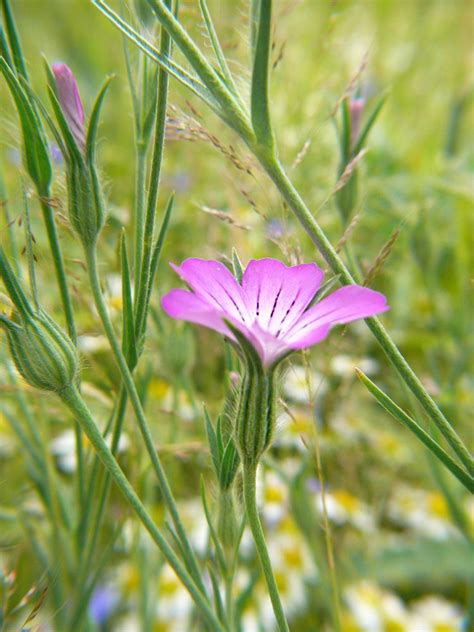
{"x": 215, "y": 540}
{"x": 13, "y": 288}
{"x": 128, "y": 324}
{"x": 220, "y": 439}
{"x": 4, "y": 50}
{"x": 260, "y": 107}
{"x": 14, "y": 40}
{"x": 213, "y": 445}
{"x": 219, "y": 606}
{"x": 35, "y": 147}
{"x": 167, "y": 64}
{"x": 368, "y": 126}
{"x": 253, "y": 23}
{"x": 155, "y": 259}
{"x": 94, "y": 121}
{"x": 237, "y": 266}
{"x": 29, "y": 250}
{"x": 46, "y": 116}
{"x": 217, "y": 47}
{"x": 229, "y": 465}
{"x": 386, "y": 402}
{"x": 346, "y": 129}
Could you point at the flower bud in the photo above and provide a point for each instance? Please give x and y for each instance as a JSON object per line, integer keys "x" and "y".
{"x": 43, "y": 354}
{"x": 85, "y": 204}
{"x": 356, "y": 109}
{"x": 70, "y": 101}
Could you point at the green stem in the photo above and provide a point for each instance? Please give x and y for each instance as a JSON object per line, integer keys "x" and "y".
{"x": 48, "y": 216}
{"x": 91, "y": 259}
{"x": 250, "y": 496}
{"x": 74, "y": 401}
{"x": 58, "y": 262}
{"x": 302, "y": 212}
{"x": 140, "y": 178}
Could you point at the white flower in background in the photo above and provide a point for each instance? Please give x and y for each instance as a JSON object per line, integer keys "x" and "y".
{"x": 344, "y": 365}
{"x": 293, "y": 565}
{"x": 344, "y": 508}
{"x": 195, "y": 524}
{"x": 113, "y": 283}
{"x": 130, "y": 623}
{"x": 272, "y": 494}
{"x": 179, "y": 404}
{"x": 63, "y": 448}
{"x": 174, "y": 605}
{"x": 426, "y": 512}
{"x": 373, "y": 609}
{"x": 91, "y": 344}
{"x": 435, "y": 614}
{"x": 257, "y": 615}
{"x": 294, "y": 430}
{"x": 174, "y": 402}
{"x": 302, "y": 385}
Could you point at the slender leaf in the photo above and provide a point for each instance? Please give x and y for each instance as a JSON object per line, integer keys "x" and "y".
{"x": 14, "y": 40}
{"x": 230, "y": 463}
{"x": 128, "y": 336}
{"x": 260, "y": 107}
{"x": 213, "y": 445}
{"x": 396, "y": 412}
{"x": 368, "y": 126}
{"x": 94, "y": 121}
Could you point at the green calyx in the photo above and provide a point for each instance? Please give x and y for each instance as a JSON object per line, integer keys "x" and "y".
{"x": 43, "y": 354}
{"x": 255, "y": 417}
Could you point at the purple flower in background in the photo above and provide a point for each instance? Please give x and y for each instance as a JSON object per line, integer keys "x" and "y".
{"x": 271, "y": 307}
{"x": 102, "y": 604}
{"x": 70, "y": 101}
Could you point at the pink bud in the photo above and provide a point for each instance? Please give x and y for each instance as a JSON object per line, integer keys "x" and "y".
{"x": 356, "y": 108}
{"x": 70, "y": 100}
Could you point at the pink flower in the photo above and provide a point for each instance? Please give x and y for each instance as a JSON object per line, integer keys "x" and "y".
{"x": 271, "y": 307}
{"x": 70, "y": 101}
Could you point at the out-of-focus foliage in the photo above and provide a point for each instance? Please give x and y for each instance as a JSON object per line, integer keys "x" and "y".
{"x": 400, "y": 527}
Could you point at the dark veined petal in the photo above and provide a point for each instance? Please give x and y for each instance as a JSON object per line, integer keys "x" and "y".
{"x": 277, "y": 295}
{"x": 346, "y": 304}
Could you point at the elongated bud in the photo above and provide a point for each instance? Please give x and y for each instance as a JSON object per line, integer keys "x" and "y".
{"x": 43, "y": 354}
{"x": 85, "y": 199}
{"x": 356, "y": 109}
{"x": 70, "y": 101}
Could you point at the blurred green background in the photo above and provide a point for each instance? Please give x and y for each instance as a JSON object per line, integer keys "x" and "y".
{"x": 400, "y": 526}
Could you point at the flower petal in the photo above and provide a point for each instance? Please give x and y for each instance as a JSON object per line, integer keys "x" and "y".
{"x": 215, "y": 285}
{"x": 184, "y": 305}
{"x": 277, "y": 294}
{"x": 346, "y": 304}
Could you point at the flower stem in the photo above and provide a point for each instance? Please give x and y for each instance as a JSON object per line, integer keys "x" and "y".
{"x": 74, "y": 401}
{"x": 53, "y": 238}
{"x": 140, "y": 176}
{"x": 276, "y": 172}
{"x": 191, "y": 563}
{"x": 58, "y": 262}
{"x": 250, "y": 497}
